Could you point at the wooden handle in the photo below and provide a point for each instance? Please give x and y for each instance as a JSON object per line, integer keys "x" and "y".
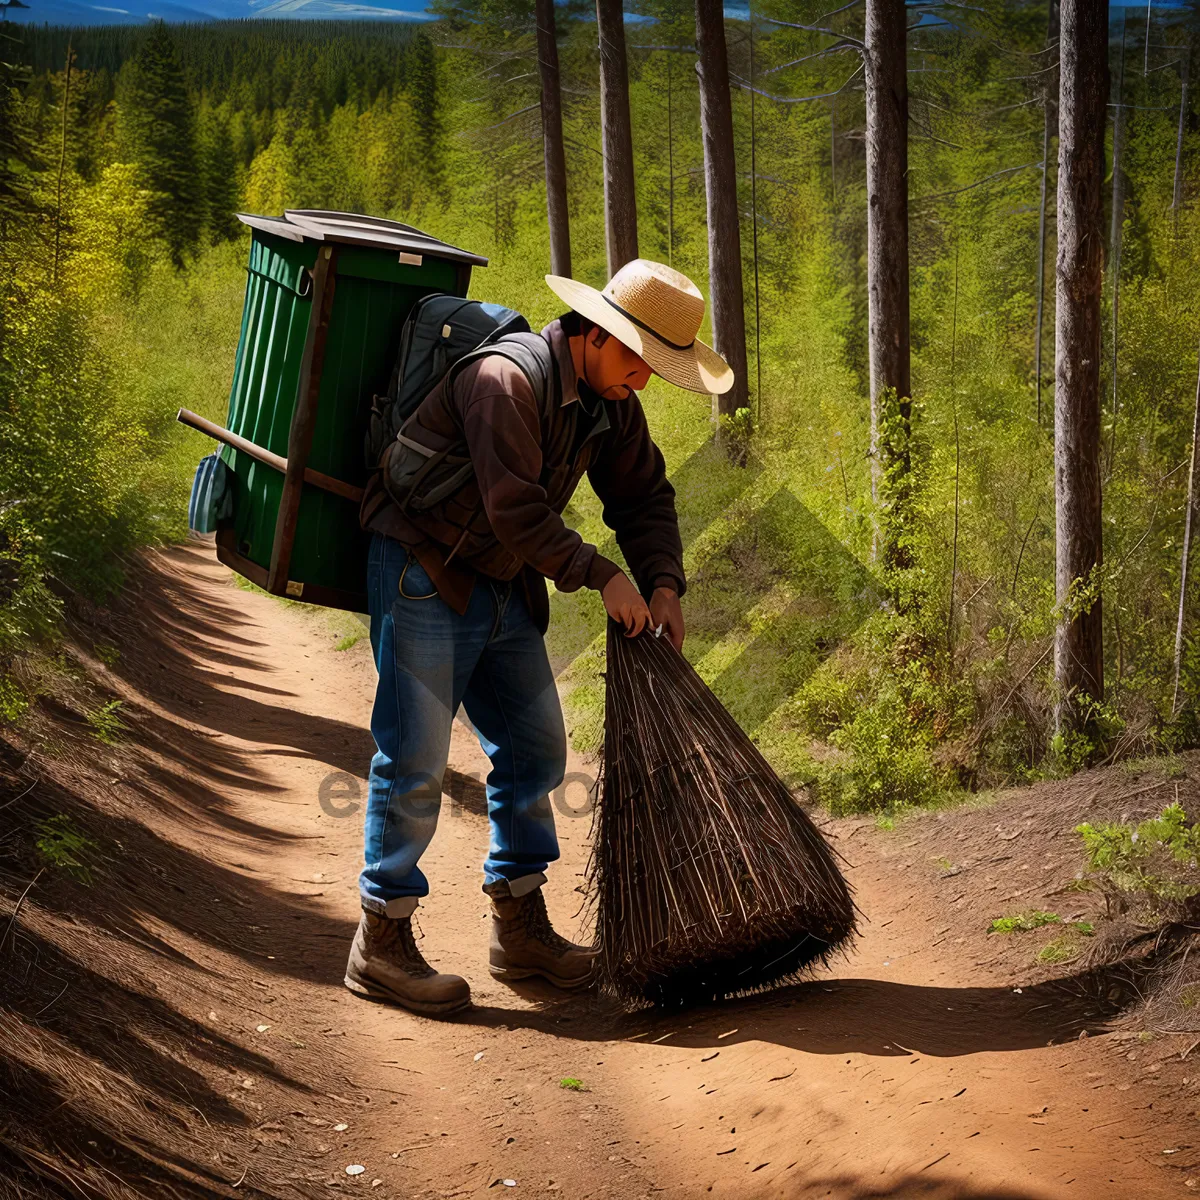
{"x": 317, "y": 478}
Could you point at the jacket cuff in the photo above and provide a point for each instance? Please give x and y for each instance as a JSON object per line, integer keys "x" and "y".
{"x": 667, "y": 581}
{"x": 600, "y": 571}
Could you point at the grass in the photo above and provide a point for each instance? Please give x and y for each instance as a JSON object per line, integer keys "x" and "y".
{"x": 60, "y": 844}
{"x": 572, "y": 1085}
{"x": 950, "y": 801}
{"x": 1064, "y": 949}
{"x": 1023, "y": 922}
{"x": 1169, "y": 766}
{"x": 351, "y": 639}
{"x": 109, "y": 655}
{"x": 1060, "y": 950}
{"x": 107, "y": 727}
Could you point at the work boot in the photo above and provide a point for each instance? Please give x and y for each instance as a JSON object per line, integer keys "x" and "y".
{"x": 524, "y": 943}
{"x": 385, "y": 964}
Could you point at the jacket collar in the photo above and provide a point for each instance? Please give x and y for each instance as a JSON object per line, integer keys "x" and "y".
{"x": 560, "y": 346}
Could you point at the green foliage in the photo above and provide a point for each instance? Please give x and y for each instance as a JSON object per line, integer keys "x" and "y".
{"x": 106, "y": 725}
{"x": 1059, "y": 950}
{"x": 350, "y": 640}
{"x": 18, "y": 158}
{"x": 1153, "y": 862}
{"x": 888, "y": 649}
{"x": 13, "y": 702}
{"x": 159, "y": 130}
{"x": 1024, "y": 922}
{"x": 61, "y": 845}
{"x": 1099, "y": 725}
{"x": 736, "y": 431}
{"x": 572, "y": 1085}
{"x": 107, "y": 653}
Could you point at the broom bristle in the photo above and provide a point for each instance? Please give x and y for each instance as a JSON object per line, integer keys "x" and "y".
{"x": 708, "y": 878}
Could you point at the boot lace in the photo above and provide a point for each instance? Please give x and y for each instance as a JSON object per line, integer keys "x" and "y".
{"x": 394, "y": 939}
{"x": 536, "y": 921}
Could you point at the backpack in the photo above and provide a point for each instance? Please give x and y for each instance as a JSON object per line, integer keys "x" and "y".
{"x": 438, "y": 333}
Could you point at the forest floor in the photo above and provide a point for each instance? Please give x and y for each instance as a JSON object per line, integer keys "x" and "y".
{"x": 936, "y": 1061}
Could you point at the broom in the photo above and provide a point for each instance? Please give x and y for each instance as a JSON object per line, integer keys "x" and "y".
{"x": 707, "y": 877}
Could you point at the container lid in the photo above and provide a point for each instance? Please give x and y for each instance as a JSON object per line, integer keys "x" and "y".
{"x": 355, "y": 229}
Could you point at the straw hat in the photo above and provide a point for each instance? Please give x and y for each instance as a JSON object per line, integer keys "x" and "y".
{"x": 656, "y": 312}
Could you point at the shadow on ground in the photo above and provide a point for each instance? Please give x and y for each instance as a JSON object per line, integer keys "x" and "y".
{"x": 108, "y": 1087}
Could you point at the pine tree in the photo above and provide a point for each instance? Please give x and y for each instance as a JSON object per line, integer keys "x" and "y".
{"x": 620, "y": 199}
{"x": 17, "y": 157}
{"x": 720, "y": 180}
{"x": 160, "y": 133}
{"x": 552, "y": 140}
{"x": 886, "y": 57}
{"x": 422, "y": 86}
{"x": 1079, "y": 641}
{"x": 222, "y": 194}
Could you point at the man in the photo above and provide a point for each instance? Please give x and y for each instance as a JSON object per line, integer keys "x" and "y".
{"x": 459, "y": 607}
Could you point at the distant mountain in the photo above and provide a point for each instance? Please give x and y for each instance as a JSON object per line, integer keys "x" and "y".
{"x": 127, "y": 12}
{"x": 325, "y": 10}
{"x": 116, "y": 12}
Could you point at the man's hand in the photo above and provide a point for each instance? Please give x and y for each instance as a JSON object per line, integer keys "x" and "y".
{"x": 624, "y": 603}
{"x": 665, "y": 611}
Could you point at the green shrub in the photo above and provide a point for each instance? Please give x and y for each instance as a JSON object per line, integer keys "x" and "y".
{"x": 1153, "y": 861}
{"x": 64, "y": 847}
{"x": 1024, "y": 922}
{"x": 109, "y": 655}
{"x": 887, "y": 760}
{"x": 107, "y": 727}
{"x": 1058, "y": 951}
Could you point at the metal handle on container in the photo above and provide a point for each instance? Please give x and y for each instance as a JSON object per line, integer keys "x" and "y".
{"x": 277, "y": 462}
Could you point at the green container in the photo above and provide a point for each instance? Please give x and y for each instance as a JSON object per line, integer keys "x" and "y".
{"x": 326, "y": 297}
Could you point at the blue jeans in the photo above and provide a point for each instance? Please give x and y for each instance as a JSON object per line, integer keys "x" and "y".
{"x": 492, "y": 660}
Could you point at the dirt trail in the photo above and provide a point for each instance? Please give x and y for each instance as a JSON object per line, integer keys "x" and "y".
{"x": 903, "y": 1073}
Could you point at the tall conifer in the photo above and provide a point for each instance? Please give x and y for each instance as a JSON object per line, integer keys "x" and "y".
{"x": 422, "y": 86}
{"x": 222, "y": 195}
{"x": 161, "y": 135}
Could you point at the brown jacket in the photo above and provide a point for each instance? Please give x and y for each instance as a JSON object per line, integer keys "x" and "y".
{"x": 506, "y": 521}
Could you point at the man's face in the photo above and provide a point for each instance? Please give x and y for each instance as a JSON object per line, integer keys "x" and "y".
{"x": 611, "y": 368}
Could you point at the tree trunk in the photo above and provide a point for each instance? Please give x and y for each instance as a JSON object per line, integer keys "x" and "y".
{"x": 720, "y": 182}
{"x": 1083, "y": 96}
{"x": 1049, "y": 129}
{"x": 1177, "y": 189}
{"x": 552, "y": 141}
{"x": 1114, "y": 238}
{"x": 620, "y": 201}
{"x": 887, "y": 215}
{"x": 1190, "y": 512}
{"x": 62, "y": 160}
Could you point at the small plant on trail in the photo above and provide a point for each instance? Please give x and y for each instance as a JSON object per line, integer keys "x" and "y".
{"x": 1071, "y": 751}
{"x": 107, "y": 727}
{"x": 1058, "y": 951}
{"x": 63, "y": 846}
{"x": 350, "y": 640}
{"x": 107, "y": 654}
{"x": 1065, "y": 948}
{"x": 13, "y": 702}
{"x": 1151, "y": 861}
{"x": 1023, "y": 922}
{"x": 736, "y": 431}
{"x": 572, "y": 1085}
{"x": 1167, "y": 766}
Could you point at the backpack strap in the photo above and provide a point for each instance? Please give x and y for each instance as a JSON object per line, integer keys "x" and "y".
{"x": 528, "y": 351}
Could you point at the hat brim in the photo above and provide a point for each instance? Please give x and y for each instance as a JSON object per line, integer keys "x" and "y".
{"x": 699, "y": 368}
